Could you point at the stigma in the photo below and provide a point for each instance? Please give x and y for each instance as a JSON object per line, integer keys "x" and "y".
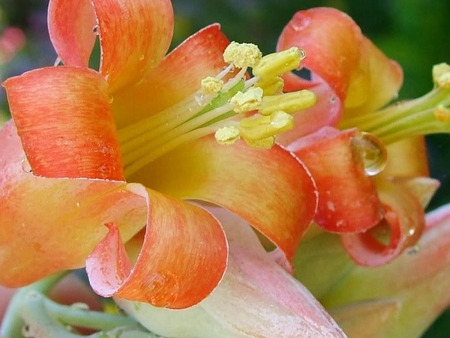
{"x": 230, "y": 105}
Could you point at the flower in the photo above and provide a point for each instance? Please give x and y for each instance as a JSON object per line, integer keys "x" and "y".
{"x": 399, "y": 299}
{"x": 77, "y": 134}
{"x": 370, "y": 190}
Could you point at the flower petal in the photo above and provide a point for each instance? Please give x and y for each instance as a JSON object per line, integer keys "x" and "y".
{"x": 333, "y": 59}
{"x": 183, "y": 256}
{"x": 341, "y": 180}
{"x": 420, "y": 280}
{"x": 269, "y": 188}
{"x": 134, "y": 37}
{"x": 65, "y": 123}
{"x": 326, "y": 112}
{"x": 256, "y": 298}
{"x": 405, "y": 218}
{"x": 49, "y": 225}
{"x": 70, "y": 25}
{"x": 177, "y": 76}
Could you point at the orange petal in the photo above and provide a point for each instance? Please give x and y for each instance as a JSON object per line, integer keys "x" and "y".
{"x": 71, "y": 24}
{"x": 183, "y": 256}
{"x": 405, "y": 218}
{"x": 268, "y": 188}
{"x": 175, "y": 78}
{"x": 331, "y": 40}
{"x": 134, "y": 37}
{"x": 65, "y": 123}
{"x": 49, "y": 225}
{"x": 326, "y": 112}
{"x": 256, "y": 298}
{"x": 341, "y": 180}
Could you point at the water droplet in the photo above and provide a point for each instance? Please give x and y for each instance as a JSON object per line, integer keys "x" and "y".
{"x": 78, "y": 204}
{"x": 26, "y": 167}
{"x": 413, "y": 250}
{"x": 372, "y": 151}
{"x": 96, "y": 30}
{"x": 142, "y": 57}
{"x": 333, "y": 100}
{"x": 411, "y": 232}
{"x": 299, "y": 23}
{"x": 302, "y": 53}
{"x": 111, "y": 99}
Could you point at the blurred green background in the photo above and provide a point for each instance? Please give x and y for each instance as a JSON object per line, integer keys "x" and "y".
{"x": 413, "y": 32}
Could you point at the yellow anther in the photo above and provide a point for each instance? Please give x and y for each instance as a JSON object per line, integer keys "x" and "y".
{"x": 242, "y": 55}
{"x": 276, "y": 64}
{"x": 288, "y": 102}
{"x": 262, "y": 127}
{"x": 247, "y": 101}
{"x": 265, "y": 143}
{"x": 442, "y": 113}
{"x": 227, "y": 135}
{"x": 441, "y": 75}
{"x": 271, "y": 86}
{"x": 211, "y": 85}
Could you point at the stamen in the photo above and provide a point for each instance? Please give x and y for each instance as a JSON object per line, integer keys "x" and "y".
{"x": 242, "y": 55}
{"x": 276, "y": 64}
{"x": 288, "y": 102}
{"x": 247, "y": 101}
{"x": 262, "y": 127}
{"x": 441, "y": 75}
{"x": 227, "y": 135}
{"x": 271, "y": 86}
{"x": 211, "y": 85}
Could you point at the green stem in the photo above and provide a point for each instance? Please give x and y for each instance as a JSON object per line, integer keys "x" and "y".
{"x": 12, "y": 321}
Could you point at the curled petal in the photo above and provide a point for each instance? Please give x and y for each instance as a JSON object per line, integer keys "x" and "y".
{"x": 177, "y": 76}
{"x": 134, "y": 37}
{"x": 244, "y": 304}
{"x": 333, "y": 59}
{"x": 182, "y": 242}
{"x": 71, "y": 24}
{"x": 69, "y": 131}
{"x": 403, "y": 215}
{"x": 326, "y": 112}
{"x": 48, "y": 225}
{"x": 348, "y": 200}
{"x": 268, "y": 188}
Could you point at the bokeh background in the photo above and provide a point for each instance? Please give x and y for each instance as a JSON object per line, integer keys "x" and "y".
{"x": 416, "y": 33}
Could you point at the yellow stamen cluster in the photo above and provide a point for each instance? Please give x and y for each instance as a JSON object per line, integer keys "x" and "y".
{"x": 441, "y": 75}
{"x": 230, "y": 105}
{"x": 264, "y": 94}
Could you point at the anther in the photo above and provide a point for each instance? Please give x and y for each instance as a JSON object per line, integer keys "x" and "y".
{"x": 242, "y": 55}
{"x": 211, "y": 85}
{"x": 441, "y": 75}
{"x": 247, "y": 101}
{"x": 262, "y": 127}
{"x": 227, "y": 135}
{"x": 276, "y": 64}
{"x": 287, "y": 102}
{"x": 271, "y": 86}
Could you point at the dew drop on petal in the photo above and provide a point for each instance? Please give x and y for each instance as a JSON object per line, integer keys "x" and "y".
{"x": 413, "y": 250}
{"x": 96, "y": 30}
{"x": 26, "y": 167}
{"x": 302, "y": 53}
{"x": 372, "y": 151}
{"x": 142, "y": 57}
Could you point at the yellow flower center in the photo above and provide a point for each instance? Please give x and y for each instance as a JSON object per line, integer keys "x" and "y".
{"x": 221, "y": 106}
{"x": 428, "y": 114}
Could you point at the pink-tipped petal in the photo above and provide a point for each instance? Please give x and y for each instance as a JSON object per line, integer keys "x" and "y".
{"x": 177, "y": 76}
{"x": 256, "y": 298}
{"x": 326, "y": 112}
{"x": 71, "y": 27}
{"x": 269, "y": 188}
{"x": 134, "y": 37}
{"x": 182, "y": 259}
{"x": 49, "y": 225}
{"x": 348, "y": 200}
{"x": 405, "y": 218}
{"x": 65, "y": 123}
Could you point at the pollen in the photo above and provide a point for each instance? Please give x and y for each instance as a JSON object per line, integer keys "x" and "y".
{"x": 211, "y": 85}
{"x": 265, "y": 143}
{"x": 262, "y": 127}
{"x": 271, "y": 86}
{"x": 275, "y": 64}
{"x": 441, "y": 75}
{"x": 247, "y": 101}
{"x": 288, "y": 102}
{"x": 227, "y": 135}
{"x": 442, "y": 113}
{"x": 242, "y": 55}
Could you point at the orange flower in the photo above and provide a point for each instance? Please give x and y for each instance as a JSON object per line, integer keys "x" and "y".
{"x": 142, "y": 117}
